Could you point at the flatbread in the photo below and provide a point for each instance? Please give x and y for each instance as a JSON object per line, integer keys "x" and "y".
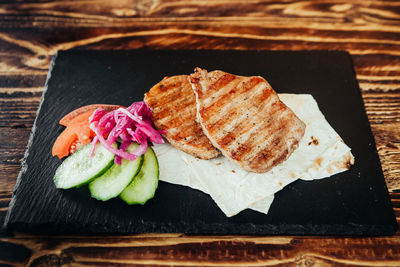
{"x": 321, "y": 153}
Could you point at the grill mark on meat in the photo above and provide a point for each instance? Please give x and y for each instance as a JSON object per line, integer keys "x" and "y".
{"x": 257, "y": 132}
{"x": 195, "y": 141}
{"x": 160, "y": 97}
{"x": 226, "y": 111}
{"x": 215, "y": 83}
{"x": 179, "y": 121}
{"x": 281, "y": 158}
{"x": 228, "y": 138}
{"x": 226, "y": 83}
{"x": 288, "y": 144}
{"x": 252, "y": 125}
{"x": 179, "y": 104}
{"x": 234, "y": 94}
{"x": 221, "y": 82}
{"x": 276, "y": 136}
{"x": 232, "y": 126}
{"x": 263, "y": 144}
{"x": 249, "y": 152}
{"x": 239, "y": 131}
{"x": 278, "y": 158}
{"x": 249, "y": 134}
{"x": 173, "y": 105}
{"x": 274, "y": 124}
{"x": 178, "y": 129}
{"x": 221, "y": 105}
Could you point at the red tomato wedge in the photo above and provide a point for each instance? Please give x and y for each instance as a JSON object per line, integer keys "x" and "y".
{"x": 77, "y": 133}
{"x": 73, "y": 114}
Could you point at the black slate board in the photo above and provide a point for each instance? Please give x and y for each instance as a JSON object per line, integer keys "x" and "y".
{"x": 355, "y": 202}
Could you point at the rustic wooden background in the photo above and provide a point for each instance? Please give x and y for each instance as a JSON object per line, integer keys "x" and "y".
{"x": 32, "y": 31}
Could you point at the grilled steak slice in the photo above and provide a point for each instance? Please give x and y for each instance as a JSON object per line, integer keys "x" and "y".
{"x": 244, "y": 118}
{"x": 173, "y": 106}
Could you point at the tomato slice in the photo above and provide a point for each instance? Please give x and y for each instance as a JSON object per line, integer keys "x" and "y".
{"x": 77, "y": 133}
{"x": 89, "y": 108}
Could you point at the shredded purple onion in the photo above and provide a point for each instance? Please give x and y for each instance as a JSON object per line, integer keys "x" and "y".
{"x": 132, "y": 124}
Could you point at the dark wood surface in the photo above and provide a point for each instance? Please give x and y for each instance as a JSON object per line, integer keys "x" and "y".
{"x": 32, "y": 31}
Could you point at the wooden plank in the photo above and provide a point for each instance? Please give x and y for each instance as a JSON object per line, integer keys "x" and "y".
{"x": 12, "y": 147}
{"x": 387, "y": 139}
{"x": 357, "y": 12}
{"x": 360, "y": 27}
{"x": 181, "y": 250}
{"x": 380, "y": 46}
{"x": 19, "y": 112}
{"x": 30, "y": 33}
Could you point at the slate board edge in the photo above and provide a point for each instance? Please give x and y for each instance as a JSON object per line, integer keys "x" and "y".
{"x": 24, "y": 165}
{"x": 216, "y": 229}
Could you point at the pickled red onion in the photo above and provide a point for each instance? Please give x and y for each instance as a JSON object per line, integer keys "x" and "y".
{"x": 132, "y": 124}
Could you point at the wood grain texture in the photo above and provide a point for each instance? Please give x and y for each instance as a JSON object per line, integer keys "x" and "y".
{"x": 182, "y": 250}
{"x": 32, "y": 31}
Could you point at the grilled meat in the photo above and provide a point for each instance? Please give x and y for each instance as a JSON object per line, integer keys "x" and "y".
{"x": 173, "y": 106}
{"x": 244, "y": 118}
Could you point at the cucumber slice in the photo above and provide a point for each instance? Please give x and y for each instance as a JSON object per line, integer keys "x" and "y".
{"x": 79, "y": 168}
{"x": 144, "y": 186}
{"x": 116, "y": 178}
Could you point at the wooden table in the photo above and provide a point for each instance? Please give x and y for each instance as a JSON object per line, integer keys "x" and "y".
{"x": 31, "y": 32}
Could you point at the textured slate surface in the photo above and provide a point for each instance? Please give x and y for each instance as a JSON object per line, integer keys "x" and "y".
{"x": 355, "y": 202}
